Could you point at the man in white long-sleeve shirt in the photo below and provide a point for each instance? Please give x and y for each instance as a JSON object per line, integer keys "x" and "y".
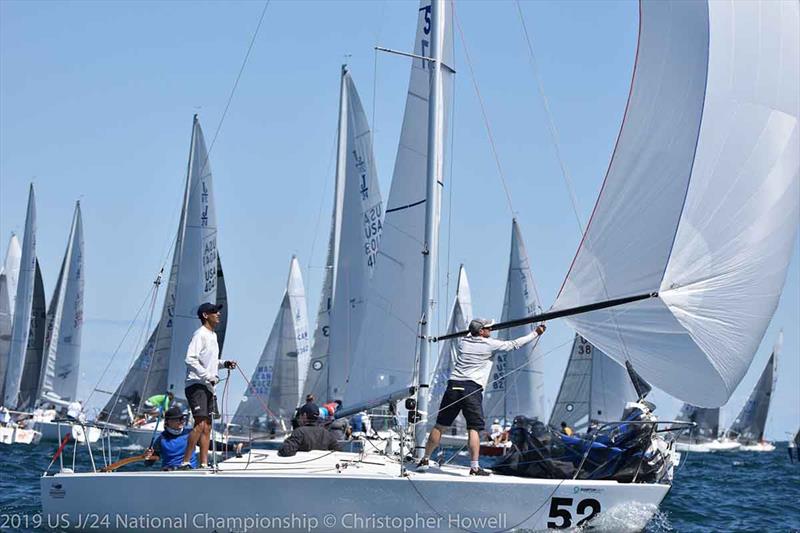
{"x": 464, "y": 393}
{"x": 202, "y": 374}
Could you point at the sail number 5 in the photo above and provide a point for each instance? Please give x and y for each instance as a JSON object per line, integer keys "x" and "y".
{"x": 560, "y": 508}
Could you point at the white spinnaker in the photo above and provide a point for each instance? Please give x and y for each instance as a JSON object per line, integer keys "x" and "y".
{"x": 277, "y": 381}
{"x": 516, "y": 384}
{"x": 361, "y": 224}
{"x": 22, "y": 308}
{"x": 65, "y": 320}
{"x": 700, "y": 202}
{"x": 460, "y": 317}
{"x": 384, "y": 360}
{"x": 594, "y": 387}
{"x": 11, "y": 270}
{"x": 196, "y": 251}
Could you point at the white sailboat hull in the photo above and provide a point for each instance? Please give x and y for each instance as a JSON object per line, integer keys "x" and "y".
{"x": 723, "y": 445}
{"x": 758, "y": 447}
{"x": 15, "y": 435}
{"x": 691, "y": 447}
{"x": 263, "y": 488}
{"x": 50, "y": 432}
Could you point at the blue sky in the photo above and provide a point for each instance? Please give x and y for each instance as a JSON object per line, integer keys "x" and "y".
{"x": 96, "y": 103}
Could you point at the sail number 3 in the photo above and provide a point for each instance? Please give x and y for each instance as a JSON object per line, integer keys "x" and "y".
{"x": 561, "y": 509}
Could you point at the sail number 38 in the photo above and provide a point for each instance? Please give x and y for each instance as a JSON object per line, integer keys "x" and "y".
{"x": 561, "y": 511}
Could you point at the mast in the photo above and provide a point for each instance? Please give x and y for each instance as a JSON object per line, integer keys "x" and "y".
{"x": 429, "y": 251}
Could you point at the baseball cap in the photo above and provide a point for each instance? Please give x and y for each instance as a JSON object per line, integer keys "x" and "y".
{"x": 173, "y": 412}
{"x": 478, "y": 324}
{"x": 207, "y": 308}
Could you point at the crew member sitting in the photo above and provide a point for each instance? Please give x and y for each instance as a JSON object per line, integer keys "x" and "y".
{"x": 309, "y": 436}
{"x": 566, "y": 430}
{"x": 159, "y": 402}
{"x": 75, "y": 412}
{"x": 171, "y": 444}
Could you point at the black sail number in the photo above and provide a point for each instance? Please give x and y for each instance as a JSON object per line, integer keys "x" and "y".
{"x": 560, "y": 508}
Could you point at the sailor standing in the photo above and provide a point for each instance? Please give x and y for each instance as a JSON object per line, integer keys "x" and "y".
{"x": 202, "y": 374}
{"x": 464, "y": 392}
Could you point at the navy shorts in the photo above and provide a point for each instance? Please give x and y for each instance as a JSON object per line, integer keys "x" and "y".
{"x": 462, "y": 397}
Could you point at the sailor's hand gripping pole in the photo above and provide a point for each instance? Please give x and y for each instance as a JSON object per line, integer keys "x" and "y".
{"x": 550, "y": 315}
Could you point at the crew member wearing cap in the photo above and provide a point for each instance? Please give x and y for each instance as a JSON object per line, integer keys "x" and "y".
{"x": 172, "y": 443}
{"x": 202, "y": 374}
{"x": 464, "y": 394}
{"x": 309, "y": 436}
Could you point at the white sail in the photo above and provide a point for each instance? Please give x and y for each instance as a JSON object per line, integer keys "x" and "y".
{"x": 383, "y": 362}
{"x": 361, "y": 225}
{"x": 5, "y": 330}
{"x": 595, "y": 388}
{"x": 700, "y": 202}
{"x": 460, "y": 317}
{"x": 65, "y": 320}
{"x": 317, "y": 382}
{"x": 20, "y": 330}
{"x": 749, "y": 425}
{"x": 277, "y": 381}
{"x": 196, "y": 254}
{"x": 516, "y": 384}
{"x": 11, "y": 270}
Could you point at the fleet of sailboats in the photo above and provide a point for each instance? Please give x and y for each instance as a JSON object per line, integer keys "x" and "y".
{"x": 660, "y": 282}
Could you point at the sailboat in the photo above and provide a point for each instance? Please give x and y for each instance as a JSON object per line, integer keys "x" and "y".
{"x": 356, "y": 227}
{"x": 516, "y": 385}
{"x": 658, "y": 305}
{"x": 460, "y": 317}
{"x": 705, "y": 436}
{"x": 276, "y": 385}
{"x": 594, "y": 389}
{"x": 195, "y": 277}
{"x": 27, "y": 335}
{"x": 748, "y": 427}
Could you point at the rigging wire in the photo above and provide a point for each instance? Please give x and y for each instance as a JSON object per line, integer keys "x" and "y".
{"x": 550, "y": 122}
{"x": 485, "y": 116}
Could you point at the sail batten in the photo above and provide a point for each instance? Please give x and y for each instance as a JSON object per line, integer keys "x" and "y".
{"x": 700, "y": 200}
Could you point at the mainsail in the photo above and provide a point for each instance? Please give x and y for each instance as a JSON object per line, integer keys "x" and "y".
{"x": 23, "y": 306}
{"x": 700, "y": 202}
{"x": 460, "y": 317}
{"x": 34, "y": 352}
{"x": 62, "y": 345}
{"x": 516, "y": 385}
{"x": 278, "y": 379}
{"x": 11, "y": 270}
{"x": 595, "y": 388}
{"x": 195, "y": 264}
{"x": 355, "y": 234}
{"x": 707, "y": 421}
{"x": 383, "y": 362}
{"x": 749, "y": 425}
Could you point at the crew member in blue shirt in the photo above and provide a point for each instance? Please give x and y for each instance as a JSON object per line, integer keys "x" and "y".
{"x": 171, "y": 444}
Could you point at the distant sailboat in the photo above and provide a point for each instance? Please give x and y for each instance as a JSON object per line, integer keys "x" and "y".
{"x": 195, "y": 277}
{"x": 276, "y": 385}
{"x": 594, "y": 389}
{"x": 356, "y": 228}
{"x": 516, "y": 385}
{"x": 460, "y": 317}
{"x": 706, "y": 436}
{"x": 748, "y": 428}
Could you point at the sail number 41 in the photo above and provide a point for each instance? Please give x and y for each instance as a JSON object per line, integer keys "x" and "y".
{"x": 561, "y": 510}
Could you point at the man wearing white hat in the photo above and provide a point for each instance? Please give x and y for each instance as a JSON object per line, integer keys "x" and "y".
{"x": 464, "y": 394}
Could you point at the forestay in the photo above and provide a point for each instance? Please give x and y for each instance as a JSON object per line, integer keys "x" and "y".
{"x": 62, "y": 345}
{"x": 700, "y": 202}
{"x": 460, "y": 317}
{"x": 353, "y": 248}
{"x": 749, "y": 425}
{"x": 384, "y": 360}
{"x": 595, "y": 388}
{"x": 23, "y": 305}
{"x": 516, "y": 385}
{"x": 278, "y": 379}
{"x": 196, "y": 254}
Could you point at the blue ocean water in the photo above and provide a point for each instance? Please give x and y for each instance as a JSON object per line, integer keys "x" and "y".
{"x": 731, "y": 492}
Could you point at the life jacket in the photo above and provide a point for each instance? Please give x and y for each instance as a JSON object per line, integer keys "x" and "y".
{"x": 330, "y": 408}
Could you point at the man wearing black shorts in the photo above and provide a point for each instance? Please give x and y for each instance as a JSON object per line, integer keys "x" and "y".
{"x": 464, "y": 392}
{"x": 202, "y": 374}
